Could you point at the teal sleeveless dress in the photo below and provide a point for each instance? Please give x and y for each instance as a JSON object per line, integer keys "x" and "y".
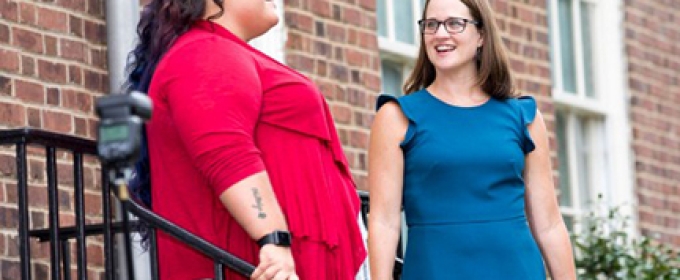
{"x": 463, "y": 191}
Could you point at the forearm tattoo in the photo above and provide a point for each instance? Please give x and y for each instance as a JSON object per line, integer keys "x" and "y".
{"x": 258, "y": 204}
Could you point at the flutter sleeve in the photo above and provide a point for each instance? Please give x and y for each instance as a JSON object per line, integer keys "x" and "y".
{"x": 403, "y": 104}
{"x": 215, "y": 95}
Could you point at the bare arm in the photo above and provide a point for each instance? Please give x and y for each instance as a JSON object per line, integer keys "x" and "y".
{"x": 253, "y": 204}
{"x": 542, "y": 208}
{"x": 385, "y": 181}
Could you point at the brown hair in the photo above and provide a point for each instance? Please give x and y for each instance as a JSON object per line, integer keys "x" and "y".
{"x": 492, "y": 62}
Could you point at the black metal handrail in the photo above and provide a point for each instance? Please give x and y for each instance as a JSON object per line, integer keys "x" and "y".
{"x": 59, "y": 236}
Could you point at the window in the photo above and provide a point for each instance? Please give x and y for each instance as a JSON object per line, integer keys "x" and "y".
{"x": 590, "y": 105}
{"x": 398, "y": 39}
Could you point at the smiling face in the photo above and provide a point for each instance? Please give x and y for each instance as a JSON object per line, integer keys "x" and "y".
{"x": 448, "y": 51}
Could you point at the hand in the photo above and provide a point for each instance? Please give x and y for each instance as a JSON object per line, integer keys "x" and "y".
{"x": 276, "y": 263}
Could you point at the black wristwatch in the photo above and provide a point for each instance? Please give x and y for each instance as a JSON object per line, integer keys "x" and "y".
{"x": 278, "y": 237}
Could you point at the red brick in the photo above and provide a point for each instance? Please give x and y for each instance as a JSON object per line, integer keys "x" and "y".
{"x": 7, "y": 166}
{"x": 367, "y": 4}
{"x": 336, "y": 33}
{"x": 11, "y": 269}
{"x": 75, "y": 75}
{"x": 57, "y": 121}
{"x": 322, "y": 48}
{"x": 53, "y": 96}
{"x": 9, "y": 61}
{"x": 50, "y": 45}
{"x": 93, "y": 80}
{"x": 95, "y": 8}
{"x": 27, "y": 13}
{"x": 74, "y": 50}
{"x": 4, "y": 34}
{"x": 362, "y": 119}
{"x": 9, "y": 10}
{"x": 28, "y": 66}
{"x": 372, "y": 82}
{"x": 99, "y": 58}
{"x": 75, "y": 26}
{"x": 28, "y": 40}
{"x": 321, "y": 68}
{"x": 29, "y": 92}
{"x": 95, "y": 32}
{"x": 358, "y": 139}
{"x": 339, "y": 72}
{"x": 321, "y": 8}
{"x": 367, "y": 40}
{"x": 77, "y": 101}
{"x": 12, "y": 114}
{"x": 356, "y": 58}
{"x": 341, "y": 113}
{"x": 52, "y": 20}
{"x": 357, "y": 98}
{"x": 300, "y": 22}
{"x": 93, "y": 204}
{"x": 92, "y": 128}
{"x": 302, "y": 63}
{"x": 52, "y": 71}
{"x": 80, "y": 125}
{"x": 352, "y": 16}
{"x": 75, "y": 5}
{"x": 34, "y": 119}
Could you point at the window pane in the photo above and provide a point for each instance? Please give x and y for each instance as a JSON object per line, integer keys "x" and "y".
{"x": 563, "y": 160}
{"x": 404, "y": 25}
{"x": 587, "y": 14}
{"x": 391, "y": 78}
{"x": 382, "y": 18}
{"x": 567, "y": 46}
{"x": 569, "y": 222}
{"x": 585, "y": 159}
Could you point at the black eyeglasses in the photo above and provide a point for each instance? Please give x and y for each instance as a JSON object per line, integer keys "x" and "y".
{"x": 451, "y": 25}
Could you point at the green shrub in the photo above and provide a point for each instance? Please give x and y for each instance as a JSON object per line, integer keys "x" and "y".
{"x": 604, "y": 250}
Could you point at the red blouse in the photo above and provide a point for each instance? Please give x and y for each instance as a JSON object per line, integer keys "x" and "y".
{"x": 224, "y": 111}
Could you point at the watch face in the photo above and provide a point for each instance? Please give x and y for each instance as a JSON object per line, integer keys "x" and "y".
{"x": 278, "y": 238}
{"x": 284, "y": 238}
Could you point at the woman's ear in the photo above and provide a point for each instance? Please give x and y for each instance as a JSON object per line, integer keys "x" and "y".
{"x": 480, "y": 41}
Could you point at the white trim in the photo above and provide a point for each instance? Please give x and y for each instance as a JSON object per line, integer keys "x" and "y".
{"x": 578, "y": 46}
{"x": 586, "y": 106}
{"x": 402, "y": 50}
{"x": 618, "y": 126}
{"x": 389, "y": 13}
{"x": 273, "y": 42}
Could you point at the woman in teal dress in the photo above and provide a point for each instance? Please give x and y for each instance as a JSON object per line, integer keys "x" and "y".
{"x": 469, "y": 161}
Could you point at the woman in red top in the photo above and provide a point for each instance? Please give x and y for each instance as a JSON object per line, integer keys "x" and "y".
{"x": 240, "y": 147}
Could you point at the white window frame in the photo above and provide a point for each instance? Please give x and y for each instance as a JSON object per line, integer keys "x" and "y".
{"x": 395, "y": 51}
{"x": 609, "y": 107}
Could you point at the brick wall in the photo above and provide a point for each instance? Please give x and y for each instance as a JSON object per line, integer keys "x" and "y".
{"x": 524, "y": 29}
{"x": 652, "y": 30}
{"x": 334, "y": 43}
{"x": 52, "y": 66}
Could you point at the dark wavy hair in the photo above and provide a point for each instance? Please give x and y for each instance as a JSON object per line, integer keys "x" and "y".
{"x": 161, "y": 23}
